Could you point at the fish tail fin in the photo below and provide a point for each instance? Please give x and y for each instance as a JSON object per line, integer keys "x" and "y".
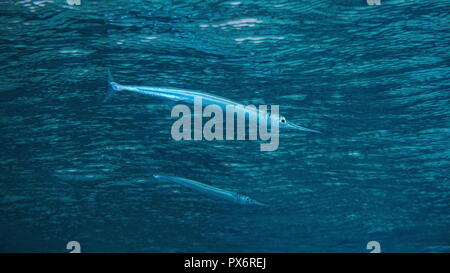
{"x": 112, "y": 88}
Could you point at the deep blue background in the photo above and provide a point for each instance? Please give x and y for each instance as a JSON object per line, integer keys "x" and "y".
{"x": 374, "y": 79}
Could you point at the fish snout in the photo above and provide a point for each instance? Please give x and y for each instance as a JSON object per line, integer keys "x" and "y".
{"x": 259, "y": 203}
{"x": 301, "y": 128}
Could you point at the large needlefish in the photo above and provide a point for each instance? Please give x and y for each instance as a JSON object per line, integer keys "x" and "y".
{"x": 189, "y": 97}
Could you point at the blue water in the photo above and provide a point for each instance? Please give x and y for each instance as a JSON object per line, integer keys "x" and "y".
{"x": 374, "y": 79}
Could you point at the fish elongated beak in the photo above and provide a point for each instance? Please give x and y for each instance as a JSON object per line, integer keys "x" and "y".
{"x": 298, "y": 127}
{"x": 259, "y": 203}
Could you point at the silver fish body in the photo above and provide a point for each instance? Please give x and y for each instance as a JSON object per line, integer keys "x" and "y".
{"x": 210, "y": 190}
{"x": 188, "y": 97}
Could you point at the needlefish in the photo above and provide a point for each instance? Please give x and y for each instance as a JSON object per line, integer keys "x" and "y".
{"x": 189, "y": 97}
{"x": 210, "y": 190}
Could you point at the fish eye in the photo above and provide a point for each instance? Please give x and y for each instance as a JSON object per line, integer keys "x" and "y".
{"x": 283, "y": 120}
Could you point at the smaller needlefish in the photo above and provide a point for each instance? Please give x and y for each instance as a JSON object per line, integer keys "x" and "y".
{"x": 210, "y": 190}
